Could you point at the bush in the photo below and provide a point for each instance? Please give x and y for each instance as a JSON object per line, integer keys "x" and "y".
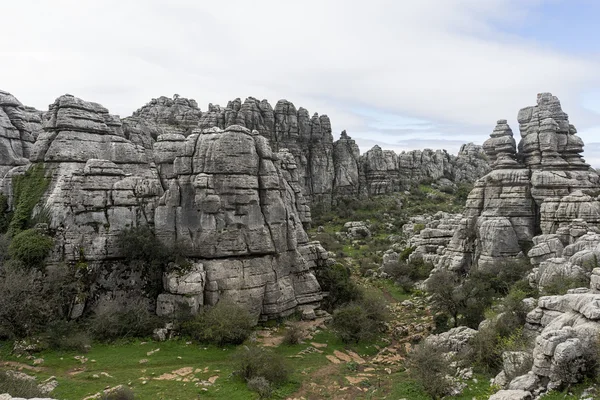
{"x": 293, "y": 335}
{"x": 18, "y": 387}
{"x": 31, "y": 247}
{"x": 67, "y": 336}
{"x": 359, "y": 321}
{"x": 329, "y": 242}
{"x": 560, "y": 285}
{"x": 123, "y": 393}
{"x": 5, "y": 214}
{"x": 500, "y": 335}
{"x": 133, "y": 319}
{"x": 429, "y": 367}
{"x": 4, "y": 244}
{"x": 465, "y": 299}
{"x": 254, "y": 362}
{"x": 337, "y": 281}
{"x": 407, "y": 273}
{"x": 30, "y": 299}
{"x": 417, "y": 228}
{"x": 261, "y": 386}
{"x": 140, "y": 244}
{"x": 145, "y": 252}
{"x": 225, "y": 323}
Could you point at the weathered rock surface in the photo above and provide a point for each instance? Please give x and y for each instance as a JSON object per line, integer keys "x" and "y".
{"x": 19, "y": 127}
{"x": 456, "y": 340}
{"x": 511, "y": 395}
{"x": 540, "y": 189}
{"x": 162, "y": 116}
{"x": 236, "y": 207}
{"x": 329, "y": 170}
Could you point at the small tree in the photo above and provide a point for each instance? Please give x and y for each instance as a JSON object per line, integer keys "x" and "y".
{"x": 429, "y": 367}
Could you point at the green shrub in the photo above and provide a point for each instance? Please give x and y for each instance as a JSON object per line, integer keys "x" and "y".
{"x": 18, "y": 387}
{"x": 336, "y": 280}
{"x": 225, "y": 323}
{"x": 28, "y": 190}
{"x": 359, "y": 321}
{"x": 462, "y": 193}
{"x": 417, "y": 228}
{"x": 261, "y": 386}
{"x": 5, "y": 214}
{"x": 31, "y": 299}
{"x": 500, "y": 335}
{"x": 123, "y": 393}
{"x": 329, "y": 242}
{"x": 253, "y": 362}
{"x": 293, "y": 335}
{"x": 405, "y": 274}
{"x": 31, "y": 247}
{"x": 4, "y": 244}
{"x": 67, "y": 336}
{"x": 428, "y": 366}
{"x": 129, "y": 320}
{"x": 145, "y": 252}
{"x": 404, "y": 254}
{"x": 560, "y": 284}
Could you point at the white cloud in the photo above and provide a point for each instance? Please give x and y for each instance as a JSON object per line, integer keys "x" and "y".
{"x": 440, "y": 61}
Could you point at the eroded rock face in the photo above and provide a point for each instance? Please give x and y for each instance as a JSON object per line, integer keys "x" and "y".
{"x": 540, "y": 189}
{"x": 162, "y": 116}
{"x": 384, "y": 171}
{"x": 331, "y": 170}
{"x": 308, "y": 138}
{"x": 236, "y": 207}
{"x": 19, "y": 127}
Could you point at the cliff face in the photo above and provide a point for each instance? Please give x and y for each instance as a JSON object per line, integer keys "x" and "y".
{"x": 19, "y": 127}
{"x": 234, "y": 205}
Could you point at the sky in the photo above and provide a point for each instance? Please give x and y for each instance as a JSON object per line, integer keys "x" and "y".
{"x": 402, "y": 74}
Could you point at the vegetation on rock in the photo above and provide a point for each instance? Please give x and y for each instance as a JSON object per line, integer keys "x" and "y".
{"x": 28, "y": 190}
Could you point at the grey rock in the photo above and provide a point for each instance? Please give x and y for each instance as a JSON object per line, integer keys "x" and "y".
{"x": 511, "y": 395}
{"x": 528, "y": 382}
{"x": 455, "y": 340}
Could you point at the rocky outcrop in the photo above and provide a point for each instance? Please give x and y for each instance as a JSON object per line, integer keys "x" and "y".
{"x": 162, "y": 116}
{"x": 384, "y": 171}
{"x": 235, "y": 206}
{"x": 538, "y": 190}
{"x": 308, "y": 139}
{"x": 331, "y": 170}
{"x": 346, "y": 160}
{"x": 19, "y": 127}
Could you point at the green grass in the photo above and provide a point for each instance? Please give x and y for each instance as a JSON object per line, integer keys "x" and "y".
{"x": 122, "y": 362}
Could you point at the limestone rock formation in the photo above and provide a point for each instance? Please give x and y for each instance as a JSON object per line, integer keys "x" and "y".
{"x": 538, "y": 190}
{"x": 383, "y": 171}
{"x": 236, "y": 207}
{"x": 162, "y": 116}
{"x": 330, "y": 170}
{"x": 346, "y": 159}
{"x": 19, "y": 127}
{"x": 308, "y": 139}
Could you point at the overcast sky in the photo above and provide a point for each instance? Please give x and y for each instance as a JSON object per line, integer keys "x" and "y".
{"x": 404, "y": 74}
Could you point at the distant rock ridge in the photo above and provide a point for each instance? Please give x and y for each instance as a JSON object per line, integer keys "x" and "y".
{"x": 327, "y": 169}
{"x": 537, "y": 187}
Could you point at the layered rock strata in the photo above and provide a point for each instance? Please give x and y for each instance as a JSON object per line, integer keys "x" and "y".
{"x": 538, "y": 190}
{"x": 235, "y": 206}
{"x": 19, "y": 127}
